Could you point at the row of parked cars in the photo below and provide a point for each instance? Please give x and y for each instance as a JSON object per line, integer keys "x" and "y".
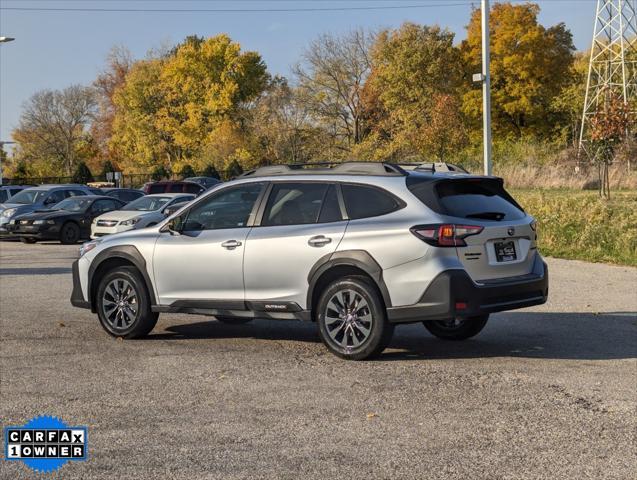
{"x": 70, "y": 213}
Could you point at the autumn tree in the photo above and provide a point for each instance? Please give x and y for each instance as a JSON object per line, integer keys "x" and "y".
{"x": 444, "y": 133}
{"x": 412, "y": 67}
{"x": 118, "y": 63}
{"x": 171, "y": 108}
{"x": 568, "y": 104}
{"x": 331, "y": 76}
{"x": 281, "y": 124}
{"x": 529, "y": 67}
{"x": 53, "y": 128}
{"x": 608, "y": 129}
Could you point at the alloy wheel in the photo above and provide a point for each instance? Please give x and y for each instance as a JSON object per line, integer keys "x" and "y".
{"x": 348, "y": 319}
{"x": 120, "y": 304}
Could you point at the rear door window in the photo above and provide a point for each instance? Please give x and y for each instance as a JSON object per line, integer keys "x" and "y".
{"x": 294, "y": 204}
{"x": 55, "y": 197}
{"x": 362, "y": 201}
{"x": 74, "y": 193}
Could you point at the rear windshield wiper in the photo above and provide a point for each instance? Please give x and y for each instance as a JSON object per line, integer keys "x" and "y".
{"x": 487, "y": 215}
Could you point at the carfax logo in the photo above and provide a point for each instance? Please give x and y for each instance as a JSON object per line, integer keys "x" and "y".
{"x": 45, "y": 443}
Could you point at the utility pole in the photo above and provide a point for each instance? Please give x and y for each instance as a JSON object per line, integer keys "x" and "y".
{"x": 612, "y": 70}
{"x": 485, "y": 78}
{"x": 4, "y": 40}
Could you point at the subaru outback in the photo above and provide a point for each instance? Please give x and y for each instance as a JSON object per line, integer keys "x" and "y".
{"x": 357, "y": 248}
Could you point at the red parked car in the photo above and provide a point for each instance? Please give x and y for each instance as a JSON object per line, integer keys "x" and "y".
{"x": 170, "y": 186}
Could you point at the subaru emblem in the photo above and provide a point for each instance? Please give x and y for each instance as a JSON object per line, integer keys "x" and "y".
{"x": 511, "y": 231}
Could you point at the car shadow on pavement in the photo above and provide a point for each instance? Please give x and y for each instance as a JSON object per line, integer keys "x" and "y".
{"x": 546, "y": 335}
{"x": 35, "y": 271}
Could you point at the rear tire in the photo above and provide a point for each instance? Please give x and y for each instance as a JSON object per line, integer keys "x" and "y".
{"x": 457, "y": 328}
{"x": 69, "y": 234}
{"x": 352, "y": 319}
{"x": 123, "y": 304}
{"x": 234, "y": 320}
{"x": 28, "y": 240}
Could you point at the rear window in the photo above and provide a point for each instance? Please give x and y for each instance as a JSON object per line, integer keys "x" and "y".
{"x": 157, "y": 188}
{"x": 364, "y": 202}
{"x": 193, "y": 188}
{"x": 484, "y": 199}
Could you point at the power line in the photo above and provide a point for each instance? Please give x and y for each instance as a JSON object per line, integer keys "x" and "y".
{"x": 235, "y": 10}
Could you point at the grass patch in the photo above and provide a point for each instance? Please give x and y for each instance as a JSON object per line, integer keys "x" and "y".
{"x": 579, "y": 225}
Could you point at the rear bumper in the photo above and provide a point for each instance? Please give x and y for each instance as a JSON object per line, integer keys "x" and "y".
{"x": 451, "y": 288}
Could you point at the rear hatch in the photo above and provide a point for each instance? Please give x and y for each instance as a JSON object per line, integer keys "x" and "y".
{"x": 506, "y": 244}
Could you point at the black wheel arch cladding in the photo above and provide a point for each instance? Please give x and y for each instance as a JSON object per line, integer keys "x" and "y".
{"x": 360, "y": 259}
{"x": 128, "y": 253}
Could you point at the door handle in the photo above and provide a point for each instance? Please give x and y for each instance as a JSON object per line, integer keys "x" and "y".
{"x": 319, "y": 241}
{"x": 231, "y": 244}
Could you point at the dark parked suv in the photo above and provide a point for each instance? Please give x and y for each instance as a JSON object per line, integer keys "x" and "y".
{"x": 169, "y": 186}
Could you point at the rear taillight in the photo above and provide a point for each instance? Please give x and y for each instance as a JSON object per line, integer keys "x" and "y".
{"x": 447, "y": 235}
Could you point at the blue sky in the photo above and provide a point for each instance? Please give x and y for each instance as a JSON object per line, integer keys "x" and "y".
{"x": 54, "y": 49}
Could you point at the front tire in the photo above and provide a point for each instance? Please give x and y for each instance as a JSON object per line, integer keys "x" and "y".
{"x": 69, "y": 234}
{"x": 457, "y": 328}
{"x": 352, "y": 319}
{"x": 123, "y": 304}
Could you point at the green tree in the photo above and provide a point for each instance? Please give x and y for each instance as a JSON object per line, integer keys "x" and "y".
{"x": 21, "y": 173}
{"x": 210, "y": 171}
{"x": 530, "y": 64}
{"x": 187, "y": 171}
{"x": 107, "y": 167}
{"x": 234, "y": 170}
{"x": 82, "y": 174}
{"x": 159, "y": 173}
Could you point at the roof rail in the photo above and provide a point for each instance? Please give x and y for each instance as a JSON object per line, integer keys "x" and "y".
{"x": 323, "y": 168}
{"x": 432, "y": 167}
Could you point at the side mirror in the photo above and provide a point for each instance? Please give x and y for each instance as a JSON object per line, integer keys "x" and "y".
{"x": 174, "y": 226}
{"x": 49, "y": 201}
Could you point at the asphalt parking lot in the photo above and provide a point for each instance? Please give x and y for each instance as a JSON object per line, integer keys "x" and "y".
{"x": 546, "y": 392}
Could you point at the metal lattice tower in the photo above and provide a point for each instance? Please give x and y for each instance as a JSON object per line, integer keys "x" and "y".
{"x": 613, "y": 64}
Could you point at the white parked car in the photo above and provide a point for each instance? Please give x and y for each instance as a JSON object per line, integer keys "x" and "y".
{"x": 143, "y": 212}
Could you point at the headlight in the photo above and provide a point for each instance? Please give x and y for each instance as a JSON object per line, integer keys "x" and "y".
{"x": 8, "y": 212}
{"x": 130, "y": 222}
{"x": 88, "y": 246}
{"x": 42, "y": 222}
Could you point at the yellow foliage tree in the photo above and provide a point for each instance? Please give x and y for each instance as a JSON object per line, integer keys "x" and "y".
{"x": 171, "y": 108}
{"x": 529, "y": 67}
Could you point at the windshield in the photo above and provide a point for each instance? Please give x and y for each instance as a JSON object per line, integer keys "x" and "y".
{"x": 147, "y": 204}
{"x": 29, "y": 196}
{"x": 73, "y": 204}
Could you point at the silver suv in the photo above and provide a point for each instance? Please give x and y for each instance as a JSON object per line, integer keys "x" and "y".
{"x": 356, "y": 248}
